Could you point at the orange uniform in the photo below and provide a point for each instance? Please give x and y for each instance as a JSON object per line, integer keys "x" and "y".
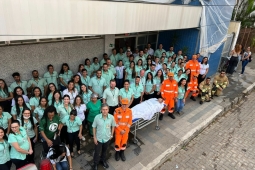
{"x": 123, "y": 119}
{"x": 192, "y": 85}
{"x": 193, "y": 65}
{"x": 169, "y": 91}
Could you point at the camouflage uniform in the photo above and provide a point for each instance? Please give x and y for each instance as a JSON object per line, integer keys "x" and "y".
{"x": 205, "y": 91}
{"x": 221, "y": 82}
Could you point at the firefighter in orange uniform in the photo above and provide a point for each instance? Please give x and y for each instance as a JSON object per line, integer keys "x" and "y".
{"x": 123, "y": 119}
{"x": 192, "y": 87}
{"x": 193, "y": 65}
{"x": 169, "y": 90}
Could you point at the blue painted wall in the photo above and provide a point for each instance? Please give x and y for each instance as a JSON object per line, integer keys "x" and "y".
{"x": 192, "y": 2}
{"x": 181, "y": 38}
{"x": 214, "y": 60}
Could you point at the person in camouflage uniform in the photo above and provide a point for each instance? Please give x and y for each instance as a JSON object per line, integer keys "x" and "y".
{"x": 205, "y": 90}
{"x": 220, "y": 82}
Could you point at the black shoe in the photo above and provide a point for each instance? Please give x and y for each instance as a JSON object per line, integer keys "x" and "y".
{"x": 208, "y": 100}
{"x": 201, "y": 102}
{"x": 161, "y": 116}
{"x": 216, "y": 95}
{"x": 193, "y": 98}
{"x": 199, "y": 95}
{"x": 117, "y": 155}
{"x": 95, "y": 166}
{"x": 104, "y": 163}
{"x": 122, "y": 156}
{"x": 171, "y": 115}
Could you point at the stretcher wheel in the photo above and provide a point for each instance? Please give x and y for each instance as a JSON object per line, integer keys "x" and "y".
{"x": 157, "y": 127}
{"x": 135, "y": 141}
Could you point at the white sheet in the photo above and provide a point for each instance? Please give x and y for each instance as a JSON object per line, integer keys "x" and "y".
{"x": 147, "y": 109}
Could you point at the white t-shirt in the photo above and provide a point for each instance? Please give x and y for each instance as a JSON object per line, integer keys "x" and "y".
{"x": 80, "y": 111}
{"x": 54, "y": 161}
{"x": 26, "y": 99}
{"x": 203, "y": 68}
{"x": 71, "y": 95}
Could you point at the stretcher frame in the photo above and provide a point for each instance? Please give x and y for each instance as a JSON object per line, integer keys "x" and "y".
{"x": 141, "y": 123}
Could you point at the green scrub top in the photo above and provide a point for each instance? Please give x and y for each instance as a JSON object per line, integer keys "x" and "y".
{"x": 95, "y": 66}
{"x": 149, "y": 86}
{"x": 72, "y": 126}
{"x": 111, "y": 96}
{"x": 89, "y": 69}
{"x": 158, "y": 52}
{"x": 50, "y": 127}
{"x": 107, "y": 75}
{"x": 181, "y": 92}
{"x": 97, "y": 85}
{"x": 3, "y": 94}
{"x": 62, "y": 111}
{"x": 177, "y": 79}
{"x": 126, "y": 64}
{"x": 14, "y": 110}
{"x": 4, "y": 120}
{"x": 22, "y": 141}
{"x": 137, "y": 90}
{"x": 50, "y": 98}
{"x": 138, "y": 69}
{"x": 94, "y": 109}
{"x": 77, "y": 86}
{"x": 122, "y": 57}
{"x": 86, "y": 96}
{"x": 158, "y": 83}
{"x": 169, "y": 54}
{"x": 85, "y": 80}
{"x": 153, "y": 72}
{"x": 34, "y": 101}
{"x": 172, "y": 70}
{"x": 22, "y": 84}
{"x": 102, "y": 62}
{"x": 41, "y": 83}
{"x": 126, "y": 94}
{"x": 177, "y": 58}
{"x": 29, "y": 128}
{"x": 51, "y": 78}
{"x": 56, "y": 104}
{"x": 114, "y": 59}
{"x": 39, "y": 111}
{"x": 138, "y": 58}
{"x": 129, "y": 76}
{"x": 103, "y": 127}
{"x": 67, "y": 76}
{"x": 112, "y": 68}
{"x": 185, "y": 76}
{"x": 4, "y": 152}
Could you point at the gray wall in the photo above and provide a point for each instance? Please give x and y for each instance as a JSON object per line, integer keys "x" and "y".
{"x": 25, "y": 58}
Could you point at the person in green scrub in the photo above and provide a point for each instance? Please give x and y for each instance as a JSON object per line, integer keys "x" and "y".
{"x": 88, "y": 67}
{"x": 39, "y": 110}
{"x": 65, "y": 75}
{"x": 159, "y": 51}
{"x": 48, "y": 127}
{"x": 56, "y": 99}
{"x": 114, "y": 57}
{"x": 17, "y": 110}
{"x": 77, "y": 82}
{"x": 131, "y": 73}
{"x": 50, "y": 91}
{"x": 170, "y": 53}
{"x": 5, "y": 120}
{"x": 148, "y": 64}
{"x": 85, "y": 93}
{"x": 107, "y": 74}
{"x": 126, "y": 93}
{"x": 37, "y": 81}
{"x": 74, "y": 130}
{"x": 34, "y": 100}
{"x": 138, "y": 91}
{"x": 151, "y": 70}
{"x": 182, "y": 88}
{"x": 159, "y": 78}
{"x": 18, "y": 82}
{"x": 93, "y": 108}
{"x": 111, "y": 67}
{"x": 105, "y": 56}
{"x": 20, "y": 145}
{"x": 164, "y": 70}
{"x": 95, "y": 65}
{"x": 186, "y": 75}
{"x": 150, "y": 86}
{"x": 139, "y": 67}
{"x": 29, "y": 123}
{"x": 64, "y": 110}
{"x": 172, "y": 67}
{"x": 5, "y": 96}
{"x": 127, "y": 63}
{"x": 179, "y": 75}
{"x": 85, "y": 79}
{"x": 51, "y": 76}
{"x": 5, "y": 161}
{"x": 18, "y": 91}
{"x": 169, "y": 62}
{"x": 97, "y": 84}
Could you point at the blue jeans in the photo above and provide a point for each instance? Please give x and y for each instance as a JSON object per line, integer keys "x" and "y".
{"x": 62, "y": 165}
{"x": 244, "y": 63}
{"x": 179, "y": 105}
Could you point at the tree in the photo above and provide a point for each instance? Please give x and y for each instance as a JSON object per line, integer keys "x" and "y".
{"x": 244, "y": 12}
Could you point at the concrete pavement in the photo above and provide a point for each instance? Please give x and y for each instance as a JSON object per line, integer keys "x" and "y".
{"x": 155, "y": 147}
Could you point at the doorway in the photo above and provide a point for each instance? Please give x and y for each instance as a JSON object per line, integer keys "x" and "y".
{"x": 125, "y": 42}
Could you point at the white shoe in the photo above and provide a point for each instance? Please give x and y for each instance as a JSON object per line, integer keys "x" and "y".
{"x": 83, "y": 138}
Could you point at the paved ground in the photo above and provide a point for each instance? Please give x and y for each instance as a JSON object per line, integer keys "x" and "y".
{"x": 228, "y": 143}
{"x": 156, "y": 146}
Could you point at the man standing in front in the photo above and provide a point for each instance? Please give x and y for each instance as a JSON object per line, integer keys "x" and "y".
{"x": 110, "y": 96}
{"x": 103, "y": 129}
{"x": 123, "y": 119}
{"x": 97, "y": 84}
{"x": 169, "y": 92}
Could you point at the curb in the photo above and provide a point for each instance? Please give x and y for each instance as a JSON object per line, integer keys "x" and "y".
{"x": 173, "y": 150}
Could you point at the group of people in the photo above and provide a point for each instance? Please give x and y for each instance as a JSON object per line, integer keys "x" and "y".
{"x": 65, "y": 104}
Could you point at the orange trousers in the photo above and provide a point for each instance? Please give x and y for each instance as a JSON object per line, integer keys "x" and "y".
{"x": 170, "y": 103}
{"x": 193, "y": 94}
{"x": 120, "y": 140}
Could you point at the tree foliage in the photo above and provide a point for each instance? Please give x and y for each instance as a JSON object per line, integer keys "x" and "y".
{"x": 245, "y": 12}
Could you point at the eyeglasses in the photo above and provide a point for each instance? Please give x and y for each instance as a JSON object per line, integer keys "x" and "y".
{"x": 14, "y": 127}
